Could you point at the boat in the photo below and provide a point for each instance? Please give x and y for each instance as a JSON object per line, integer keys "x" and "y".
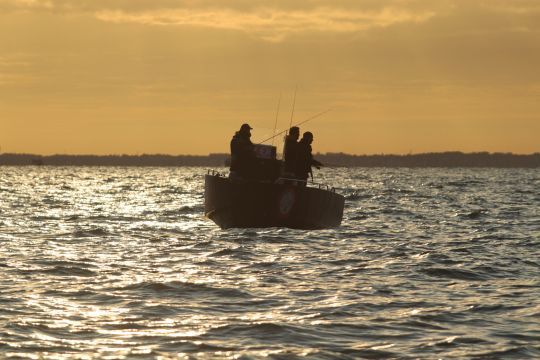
{"x": 270, "y": 200}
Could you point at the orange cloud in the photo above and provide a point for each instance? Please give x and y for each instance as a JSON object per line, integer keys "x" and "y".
{"x": 271, "y": 24}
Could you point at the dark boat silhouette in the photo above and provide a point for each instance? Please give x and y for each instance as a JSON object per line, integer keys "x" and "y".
{"x": 270, "y": 201}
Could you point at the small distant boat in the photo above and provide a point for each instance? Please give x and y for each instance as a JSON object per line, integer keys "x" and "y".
{"x": 236, "y": 203}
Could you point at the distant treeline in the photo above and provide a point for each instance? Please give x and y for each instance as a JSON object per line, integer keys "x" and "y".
{"x": 114, "y": 160}
{"x": 445, "y": 159}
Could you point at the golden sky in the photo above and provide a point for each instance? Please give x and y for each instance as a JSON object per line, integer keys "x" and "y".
{"x": 181, "y": 76}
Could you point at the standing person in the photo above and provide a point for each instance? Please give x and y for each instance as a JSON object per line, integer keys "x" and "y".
{"x": 304, "y": 158}
{"x": 290, "y": 151}
{"x": 242, "y": 153}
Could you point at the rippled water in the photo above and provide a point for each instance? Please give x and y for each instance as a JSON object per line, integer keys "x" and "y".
{"x": 120, "y": 262}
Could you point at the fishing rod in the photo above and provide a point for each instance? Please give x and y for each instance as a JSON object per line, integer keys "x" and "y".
{"x": 293, "y": 105}
{"x": 290, "y": 122}
{"x": 275, "y": 123}
{"x": 300, "y": 123}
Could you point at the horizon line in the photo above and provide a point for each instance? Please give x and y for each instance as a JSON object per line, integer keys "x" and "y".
{"x": 319, "y": 153}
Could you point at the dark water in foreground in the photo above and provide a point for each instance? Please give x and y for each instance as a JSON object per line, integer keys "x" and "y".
{"x": 119, "y": 262}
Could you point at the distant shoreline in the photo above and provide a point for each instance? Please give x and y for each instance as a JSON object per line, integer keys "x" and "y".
{"x": 443, "y": 159}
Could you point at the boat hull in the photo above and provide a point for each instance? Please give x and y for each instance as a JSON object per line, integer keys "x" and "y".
{"x": 234, "y": 204}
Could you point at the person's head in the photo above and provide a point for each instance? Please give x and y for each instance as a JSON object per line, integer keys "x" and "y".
{"x": 307, "y": 137}
{"x": 294, "y": 132}
{"x": 245, "y": 129}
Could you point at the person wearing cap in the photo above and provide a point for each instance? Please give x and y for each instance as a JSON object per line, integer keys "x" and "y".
{"x": 242, "y": 153}
{"x": 304, "y": 158}
{"x": 290, "y": 150}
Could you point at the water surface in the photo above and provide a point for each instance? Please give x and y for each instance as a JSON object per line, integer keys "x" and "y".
{"x": 119, "y": 262}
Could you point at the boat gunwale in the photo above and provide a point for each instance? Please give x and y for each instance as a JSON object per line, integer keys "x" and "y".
{"x": 278, "y": 181}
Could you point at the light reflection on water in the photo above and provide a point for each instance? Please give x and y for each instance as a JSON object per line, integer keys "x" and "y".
{"x": 120, "y": 262}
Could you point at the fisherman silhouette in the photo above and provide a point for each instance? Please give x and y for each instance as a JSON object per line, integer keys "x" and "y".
{"x": 290, "y": 151}
{"x": 242, "y": 153}
{"x": 304, "y": 158}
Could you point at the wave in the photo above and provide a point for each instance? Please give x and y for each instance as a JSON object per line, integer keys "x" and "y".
{"x": 184, "y": 289}
{"x": 85, "y": 294}
{"x": 514, "y": 352}
{"x": 198, "y": 347}
{"x": 323, "y": 340}
{"x": 464, "y": 183}
{"x": 495, "y": 308}
{"x": 69, "y": 271}
{"x": 225, "y": 252}
{"x": 90, "y": 233}
{"x": 187, "y": 209}
{"x": 358, "y": 217}
{"x": 64, "y": 271}
{"x": 87, "y": 263}
{"x": 43, "y": 218}
{"x": 396, "y": 211}
{"x": 453, "y": 273}
{"x": 263, "y": 329}
{"x": 355, "y": 196}
{"x": 474, "y": 214}
{"x": 422, "y": 325}
{"x": 175, "y": 191}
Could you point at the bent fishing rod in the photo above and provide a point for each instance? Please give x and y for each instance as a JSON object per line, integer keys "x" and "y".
{"x": 300, "y": 123}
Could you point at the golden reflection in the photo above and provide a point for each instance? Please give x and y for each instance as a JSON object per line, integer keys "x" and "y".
{"x": 383, "y": 347}
{"x": 139, "y": 286}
